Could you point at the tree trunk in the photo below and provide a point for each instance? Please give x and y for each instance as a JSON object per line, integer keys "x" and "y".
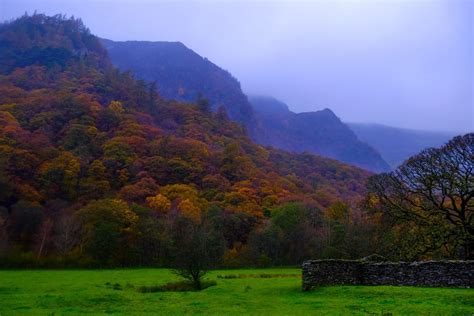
{"x": 197, "y": 283}
{"x": 469, "y": 251}
{"x": 46, "y": 230}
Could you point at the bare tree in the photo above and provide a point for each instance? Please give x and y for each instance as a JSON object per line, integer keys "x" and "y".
{"x": 43, "y": 236}
{"x": 67, "y": 234}
{"x": 435, "y": 190}
{"x": 195, "y": 250}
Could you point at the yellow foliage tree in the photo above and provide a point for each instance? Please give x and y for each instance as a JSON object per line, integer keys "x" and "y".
{"x": 186, "y": 199}
{"x": 116, "y": 107}
{"x": 63, "y": 171}
{"x": 338, "y": 211}
{"x": 189, "y": 209}
{"x": 159, "y": 203}
{"x": 183, "y": 191}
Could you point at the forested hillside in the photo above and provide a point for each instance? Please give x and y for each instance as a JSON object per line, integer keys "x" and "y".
{"x": 95, "y": 167}
{"x": 182, "y": 74}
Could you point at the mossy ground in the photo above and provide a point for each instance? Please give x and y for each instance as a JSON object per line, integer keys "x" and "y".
{"x": 58, "y": 292}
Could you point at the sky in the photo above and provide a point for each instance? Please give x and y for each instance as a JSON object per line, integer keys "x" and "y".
{"x": 404, "y": 63}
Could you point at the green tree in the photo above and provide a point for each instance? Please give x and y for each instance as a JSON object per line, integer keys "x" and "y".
{"x": 24, "y": 222}
{"x": 108, "y": 226}
{"x": 95, "y": 184}
{"x": 293, "y": 222}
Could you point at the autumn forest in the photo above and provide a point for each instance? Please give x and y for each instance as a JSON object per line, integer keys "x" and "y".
{"x": 97, "y": 169}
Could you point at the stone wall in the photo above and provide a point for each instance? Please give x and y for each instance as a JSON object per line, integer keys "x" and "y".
{"x": 362, "y": 272}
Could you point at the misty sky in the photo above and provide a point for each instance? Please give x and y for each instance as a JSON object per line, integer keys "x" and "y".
{"x": 402, "y": 63}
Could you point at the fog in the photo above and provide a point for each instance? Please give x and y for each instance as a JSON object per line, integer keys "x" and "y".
{"x": 400, "y": 63}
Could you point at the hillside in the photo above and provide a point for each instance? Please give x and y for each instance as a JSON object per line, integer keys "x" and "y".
{"x": 320, "y": 132}
{"x": 398, "y": 144}
{"x": 182, "y": 74}
{"x": 95, "y": 166}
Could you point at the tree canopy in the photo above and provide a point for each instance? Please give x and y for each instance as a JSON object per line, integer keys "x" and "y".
{"x": 435, "y": 191}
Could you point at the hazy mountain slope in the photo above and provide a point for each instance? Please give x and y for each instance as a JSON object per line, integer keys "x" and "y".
{"x": 319, "y": 132}
{"x": 398, "y": 144}
{"x": 72, "y": 131}
{"x": 182, "y": 74}
{"x": 90, "y": 153}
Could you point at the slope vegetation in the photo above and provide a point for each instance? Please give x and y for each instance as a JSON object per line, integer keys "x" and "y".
{"x": 95, "y": 165}
{"x": 181, "y": 74}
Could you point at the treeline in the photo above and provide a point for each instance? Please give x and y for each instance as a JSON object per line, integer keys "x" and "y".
{"x": 110, "y": 233}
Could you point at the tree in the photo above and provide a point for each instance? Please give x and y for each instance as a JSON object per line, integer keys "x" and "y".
{"x": 67, "y": 233}
{"x": 24, "y": 222}
{"x": 196, "y": 249}
{"x": 159, "y": 203}
{"x": 186, "y": 200}
{"x": 59, "y": 176}
{"x": 151, "y": 246}
{"x": 3, "y": 232}
{"x": 434, "y": 190}
{"x": 293, "y": 223}
{"x": 108, "y": 224}
{"x": 44, "y": 236}
{"x": 139, "y": 191}
{"x": 235, "y": 165}
{"x": 96, "y": 183}
{"x": 203, "y": 104}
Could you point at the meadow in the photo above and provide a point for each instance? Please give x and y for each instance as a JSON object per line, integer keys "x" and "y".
{"x": 250, "y": 292}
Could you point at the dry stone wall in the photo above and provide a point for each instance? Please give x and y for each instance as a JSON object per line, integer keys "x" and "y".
{"x": 361, "y": 272}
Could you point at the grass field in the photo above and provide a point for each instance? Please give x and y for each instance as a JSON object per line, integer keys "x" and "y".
{"x": 57, "y": 292}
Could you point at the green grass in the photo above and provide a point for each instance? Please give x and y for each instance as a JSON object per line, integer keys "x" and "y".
{"x": 48, "y": 292}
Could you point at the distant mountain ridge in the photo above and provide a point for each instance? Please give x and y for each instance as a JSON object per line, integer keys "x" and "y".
{"x": 319, "y": 132}
{"x": 182, "y": 74}
{"x": 398, "y": 144}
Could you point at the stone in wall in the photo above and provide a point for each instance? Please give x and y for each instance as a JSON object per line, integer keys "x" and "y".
{"x": 364, "y": 272}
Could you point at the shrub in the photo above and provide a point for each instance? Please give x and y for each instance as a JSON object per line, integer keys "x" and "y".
{"x": 183, "y": 286}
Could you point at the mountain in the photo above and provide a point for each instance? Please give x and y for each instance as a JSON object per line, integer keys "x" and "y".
{"x": 182, "y": 74}
{"x": 96, "y": 114}
{"x": 96, "y": 167}
{"x": 320, "y": 132}
{"x": 398, "y": 144}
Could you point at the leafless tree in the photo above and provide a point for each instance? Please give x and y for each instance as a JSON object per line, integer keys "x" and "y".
{"x": 435, "y": 190}
{"x": 195, "y": 250}
{"x": 67, "y": 234}
{"x": 44, "y": 236}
